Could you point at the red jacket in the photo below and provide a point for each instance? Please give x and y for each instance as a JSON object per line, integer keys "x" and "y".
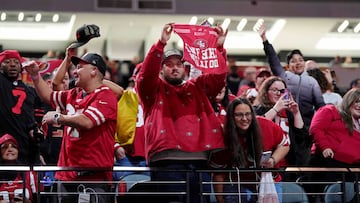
{"x": 178, "y": 117}
{"x": 329, "y": 131}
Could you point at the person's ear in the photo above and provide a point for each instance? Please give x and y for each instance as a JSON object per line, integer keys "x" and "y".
{"x": 93, "y": 73}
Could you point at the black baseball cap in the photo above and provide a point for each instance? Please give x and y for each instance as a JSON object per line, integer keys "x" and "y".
{"x": 84, "y": 34}
{"x": 172, "y": 52}
{"x": 93, "y": 59}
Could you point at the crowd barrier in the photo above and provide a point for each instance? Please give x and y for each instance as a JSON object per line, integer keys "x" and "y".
{"x": 138, "y": 186}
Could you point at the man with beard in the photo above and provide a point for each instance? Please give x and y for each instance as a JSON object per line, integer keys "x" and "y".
{"x": 89, "y": 121}
{"x": 181, "y": 128}
{"x": 17, "y": 105}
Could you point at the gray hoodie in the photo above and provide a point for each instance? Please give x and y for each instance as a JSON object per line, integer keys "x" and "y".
{"x": 304, "y": 88}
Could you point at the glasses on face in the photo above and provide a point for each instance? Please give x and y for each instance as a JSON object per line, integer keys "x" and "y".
{"x": 275, "y": 91}
{"x": 8, "y": 145}
{"x": 246, "y": 115}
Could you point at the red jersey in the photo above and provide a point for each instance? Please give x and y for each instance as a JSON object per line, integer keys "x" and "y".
{"x": 273, "y": 137}
{"x": 88, "y": 148}
{"x": 14, "y": 188}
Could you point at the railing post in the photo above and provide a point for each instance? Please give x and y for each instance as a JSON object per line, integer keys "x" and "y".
{"x": 187, "y": 186}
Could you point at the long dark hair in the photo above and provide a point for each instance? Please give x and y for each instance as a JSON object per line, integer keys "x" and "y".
{"x": 321, "y": 79}
{"x": 253, "y": 137}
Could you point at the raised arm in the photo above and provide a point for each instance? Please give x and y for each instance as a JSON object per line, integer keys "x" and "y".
{"x": 148, "y": 76}
{"x": 273, "y": 59}
{"x": 42, "y": 88}
{"x": 57, "y": 82}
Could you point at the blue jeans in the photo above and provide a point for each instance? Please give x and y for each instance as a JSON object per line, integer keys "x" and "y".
{"x": 129, "y": 161}
{"x": 172, "y": 171}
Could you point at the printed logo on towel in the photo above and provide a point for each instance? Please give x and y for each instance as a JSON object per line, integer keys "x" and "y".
{"x": 199, "y": 46}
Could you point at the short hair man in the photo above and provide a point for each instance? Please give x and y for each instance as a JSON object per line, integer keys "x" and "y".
{"x": 90, "y": 122}
{"x": 181, "y": 127}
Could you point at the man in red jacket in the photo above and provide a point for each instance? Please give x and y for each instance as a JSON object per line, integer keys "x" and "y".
{"x": 181, "y": 127}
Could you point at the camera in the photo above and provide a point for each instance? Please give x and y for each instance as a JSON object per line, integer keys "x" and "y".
{"x": 36, "y": 133}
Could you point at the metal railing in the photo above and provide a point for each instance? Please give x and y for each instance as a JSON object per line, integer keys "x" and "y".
{"x": 344, "y": 190}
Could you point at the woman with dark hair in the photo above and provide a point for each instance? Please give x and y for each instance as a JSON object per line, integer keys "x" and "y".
{"x": 276, "y": 104}
{"x": 330, "y": 97}
{"x": 245, "y": 142}
{"x": 221, "y": 102}
{"x": 11, "y": 182}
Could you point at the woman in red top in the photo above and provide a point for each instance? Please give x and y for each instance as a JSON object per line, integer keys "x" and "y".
{"x": 11, "y": 187}
{"x": 336, "y": 132}
{"x": 245, "y": 141}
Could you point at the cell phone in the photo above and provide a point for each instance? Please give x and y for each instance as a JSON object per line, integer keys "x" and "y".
{"x": 265, "y": 156}
{"x": 286, "y": 96}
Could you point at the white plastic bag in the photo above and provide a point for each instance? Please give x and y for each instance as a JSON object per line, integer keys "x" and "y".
{"x": 267, "y": 191}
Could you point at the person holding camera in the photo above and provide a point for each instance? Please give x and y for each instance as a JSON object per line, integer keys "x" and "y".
{"x": 276, "y": 103}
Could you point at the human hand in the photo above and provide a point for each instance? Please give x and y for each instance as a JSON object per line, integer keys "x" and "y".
{"x": 293, "y": 107}
{"x": 327, "y": 74}
{"x": 166, "y": 33}
{"x": 328, "y": 153}
{"x": 120, "y": 153}
{"x": 260, "y": 28}
{"x": 221, "y": 35}
{"x": 270, "y": 163}
{"x": 32, "y": 68}
{"x": 49, "y": 117}
{"x": 70, "y": 52}
{"x": 281, "y": 103}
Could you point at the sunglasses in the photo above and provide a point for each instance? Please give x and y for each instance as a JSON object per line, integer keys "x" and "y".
{"x": 275, "y": 91}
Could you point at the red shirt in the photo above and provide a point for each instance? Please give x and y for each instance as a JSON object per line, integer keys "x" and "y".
{"x": 12, "y": 188}
{"x": 88, "y": 148}
{"x": 329, "y": 131}
{"x": 272, "y": 138}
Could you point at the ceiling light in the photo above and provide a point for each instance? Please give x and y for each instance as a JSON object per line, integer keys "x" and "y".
{"x": 250, "y": 39}
{"x": 193, "y": 20}
{"x": 210, "y": 20}
{"x": 37, "y": 31}
{"x": 38, "y": 17}
{"x": 55, "y": 18}
{"x": 241, "y": 24}
{"x": 343, "y": 26}
{"x": 336, "y": 42}
{"x": 257, "y": 25}
{"x": 226, "y": 23}
{"x": 3, "y": 16}
{"x": 21, "y": 16}
{"x": 357, "y": 28}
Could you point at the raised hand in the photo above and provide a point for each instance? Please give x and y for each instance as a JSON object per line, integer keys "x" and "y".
{"x": 260, "y": 28}
{"x": 221, "y": 35}
{"x": 166, "y": 33}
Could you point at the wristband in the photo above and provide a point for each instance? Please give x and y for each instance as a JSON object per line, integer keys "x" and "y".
{"x": 35, "y": 77}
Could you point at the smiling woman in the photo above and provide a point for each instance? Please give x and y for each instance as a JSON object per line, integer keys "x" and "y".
{"x": 11, "y": 182}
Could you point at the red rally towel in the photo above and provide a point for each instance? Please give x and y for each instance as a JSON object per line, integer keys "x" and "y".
{"x": 200, "y": 47}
